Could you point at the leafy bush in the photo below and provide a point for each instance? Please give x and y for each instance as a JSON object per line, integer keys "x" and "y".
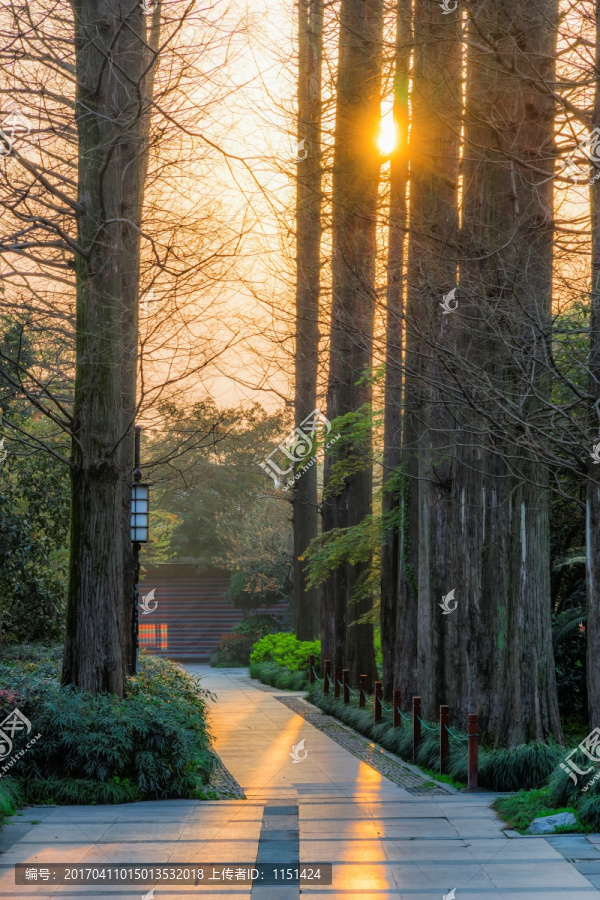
{"x": 154, "y": 743}
{"x": 521, "y": 809}
{"x": 235, "y": 648}
{"x": 285, "y": 650}
{"x": 10, "y": 798}
{"x": 279, "y": 676}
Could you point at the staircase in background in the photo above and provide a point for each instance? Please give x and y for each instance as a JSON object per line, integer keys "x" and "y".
{"x": 191, "y": 615}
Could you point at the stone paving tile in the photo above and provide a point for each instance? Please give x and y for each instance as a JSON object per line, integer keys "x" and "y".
{"x": 362, "y": 748}
{"x": 384, "y": 840}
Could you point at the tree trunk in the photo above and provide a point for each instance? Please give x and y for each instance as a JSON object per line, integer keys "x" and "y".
{"x": 108, "y": 41}
{"x": 500, "y": 659}
{"x": 136, "y": 172}
{"x": 308, "y": 244}
{"x": 432, "y": 273}
{"x": 354, "y": 200}
{"x": 392, "y": 438}
{"x": 593, "y": 486}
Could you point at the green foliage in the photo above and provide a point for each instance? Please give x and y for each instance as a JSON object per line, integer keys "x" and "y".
{"x": 235, "y": 649}
{"x": 10, "y": 798}
{"x": 521, "y": 809}
{"x": 378, "y": 650}
{"x": 529, "y": 765}
{"x": 79, "y": 790}
{"x": 154, "y": 743}
{"x": 285, "y": 650}
{"x": 216, "y": 504}
{"x": 356, "y": 544}
{"x": 34, "y": 497}
{"x": 33, "y": 538}
{"x": 279, "y": 676}
{"x": 526, "y": 766}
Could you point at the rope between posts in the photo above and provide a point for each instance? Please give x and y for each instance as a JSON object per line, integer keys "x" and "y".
{"x": 315, "y": 674}
{"x": 384, "y": 707}
{"x": 405, "y": 717}
{"x": 425, "y": 725}
{"x": 356, "y": 693}
{"x": 457, "y": 737}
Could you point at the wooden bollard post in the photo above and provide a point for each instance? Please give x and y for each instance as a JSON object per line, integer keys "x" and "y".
{"x": 362, "y": 698}
{"x": 377, "y": 704}
{"x": 311, "y": 669}
{"x": 337, "y": 677}
{"x": 473, "y": 732}
{"x": 416, "y": 726}
{"x": 346, "y": 681}
{"x": 397, "y": 718}
{"x": 327, "y": 676}
{"x": 444, "y": 738}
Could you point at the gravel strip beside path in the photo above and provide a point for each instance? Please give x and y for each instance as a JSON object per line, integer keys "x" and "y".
{"x": 362, "y": 748}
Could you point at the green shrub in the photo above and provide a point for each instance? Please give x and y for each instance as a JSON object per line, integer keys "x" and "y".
{"x": 10, "y": 798}
{"x": 235, "y": 648}
{"x": 279, "y": 676}
{"x": 526, "y": 766}
{"x": 154, "y": 743}
{"x": 521, "y": 809}
{"x": 285, "y": 650}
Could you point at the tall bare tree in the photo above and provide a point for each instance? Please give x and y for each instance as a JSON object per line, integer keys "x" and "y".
{"x": 500, "y": 659}
{"x": 354, "y": 200}
{"x": 432, "y": 270}
{"x": 308, "y": 265}
{"x": 393, "y": 625}
{"x": 593, "y": 486}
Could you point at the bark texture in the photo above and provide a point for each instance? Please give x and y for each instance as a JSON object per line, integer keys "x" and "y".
{"x": 432, "y": 274}
{"x": 308, "y": 249}
{"x": 392, "y": 456}
{"x": 593, "y": 487}
{"x": 354, "y": 197}
{"x": 108, "y": 39}
{"x": 500, "y": 658}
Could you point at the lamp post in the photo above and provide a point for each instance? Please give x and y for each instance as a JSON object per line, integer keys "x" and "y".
{"x": 140, "y": 520}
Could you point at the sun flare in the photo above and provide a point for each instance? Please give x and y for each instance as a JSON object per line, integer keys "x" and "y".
{"x": 388, "y": 135}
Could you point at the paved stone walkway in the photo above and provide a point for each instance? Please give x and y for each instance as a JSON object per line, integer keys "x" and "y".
{"x": 394, "y": 769}
{"x": 383, "y": 841}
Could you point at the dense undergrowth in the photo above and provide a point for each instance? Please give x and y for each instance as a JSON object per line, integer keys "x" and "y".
{"x": 154, "y": 743}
